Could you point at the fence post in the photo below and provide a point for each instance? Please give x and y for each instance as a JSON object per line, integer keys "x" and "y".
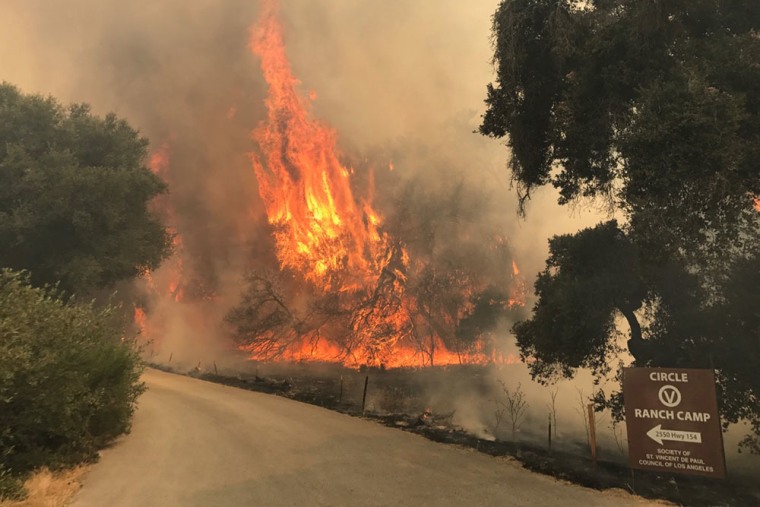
{"x": 592, "y": 431}
{"x": 364, "y": 397}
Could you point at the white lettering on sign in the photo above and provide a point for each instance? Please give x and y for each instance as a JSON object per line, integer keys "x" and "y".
{"x": 693, "y": 416}
{"x": 681, "y": 415}
{"x": 661, "y": 376}
{"x": 658, "y": 434}
{"x": 653, "y": 413}
{"x": 674, "y": 458}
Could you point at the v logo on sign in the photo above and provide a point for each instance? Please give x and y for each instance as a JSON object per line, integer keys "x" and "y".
{"x": 669, "y": 396}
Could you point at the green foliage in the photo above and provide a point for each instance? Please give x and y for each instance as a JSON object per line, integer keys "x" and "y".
{"x": 650, "y": 93}
{"x": 74, "y": 194}
{"x": 736, "y": 348}
{"x": 655, "y": 107}
{"x": 587, "y": 277}
{"x": 527, "y": 86}
{"x": 68, "y": 383}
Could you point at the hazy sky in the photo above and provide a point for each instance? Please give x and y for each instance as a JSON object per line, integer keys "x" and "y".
{"x": 409, "y": 74}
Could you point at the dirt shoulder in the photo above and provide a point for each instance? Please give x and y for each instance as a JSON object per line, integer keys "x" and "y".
{"x": 50, "y": 489}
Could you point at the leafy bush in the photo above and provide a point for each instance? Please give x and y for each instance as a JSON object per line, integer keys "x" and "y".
{"x": 68, "y": 382}
{"x": 11, "y": 486}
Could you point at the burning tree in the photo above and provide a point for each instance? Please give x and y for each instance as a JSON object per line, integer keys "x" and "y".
{"x": 352, "y": 287}
{"x": 417, "y": 317}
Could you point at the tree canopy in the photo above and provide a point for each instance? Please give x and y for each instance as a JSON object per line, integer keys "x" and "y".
{"x": 74, "y": 195}
{"x": 655, "y": 108}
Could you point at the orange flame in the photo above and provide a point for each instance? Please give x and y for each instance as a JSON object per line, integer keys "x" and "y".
{"x": 327, "y": 236}
{"x": 320, "y": 229}
{"x": 159, "y": 165}
{"x": 518, "y": 291}
{"x": 141, "y": 321}
{"x": 158, "y": 162}
{"x": 170, "y": 282}
{"x": 399, "y": 355}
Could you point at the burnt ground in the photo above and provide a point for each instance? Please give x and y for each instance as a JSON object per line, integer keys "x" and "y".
{"x": 391, "y": 401}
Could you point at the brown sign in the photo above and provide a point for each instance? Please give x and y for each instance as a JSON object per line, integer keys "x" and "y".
{"x": 672, "y": 420}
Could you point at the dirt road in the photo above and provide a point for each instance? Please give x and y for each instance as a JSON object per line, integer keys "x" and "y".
{"x": 200, "y": 444}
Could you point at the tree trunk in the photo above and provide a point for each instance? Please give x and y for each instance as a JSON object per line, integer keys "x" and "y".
{"x": 636, "y": 345}
{"x": 432, "y": 346}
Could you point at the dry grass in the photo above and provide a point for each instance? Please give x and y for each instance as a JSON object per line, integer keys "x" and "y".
{"x": 48, "y": 489}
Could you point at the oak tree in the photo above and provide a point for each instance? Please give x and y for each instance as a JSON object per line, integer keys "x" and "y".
{"x": 74, "y": 194}
{"x": 653, "y": 107}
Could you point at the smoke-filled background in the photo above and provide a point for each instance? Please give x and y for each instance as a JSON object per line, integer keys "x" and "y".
{"x": 397, "y": 78}
{"x": 402, "y": 83}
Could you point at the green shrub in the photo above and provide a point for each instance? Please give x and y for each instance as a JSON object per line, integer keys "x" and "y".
{"x": 68, "y": 381}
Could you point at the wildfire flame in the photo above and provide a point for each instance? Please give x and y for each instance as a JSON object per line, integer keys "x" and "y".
{"x": 517, "y": 291}
{"x": 321, "y": 231}
{"x": 141, "y": 320}
{"x": 327, "y": 236}
{"x": 170, "y": 285}
{"x": 332, "y": 246}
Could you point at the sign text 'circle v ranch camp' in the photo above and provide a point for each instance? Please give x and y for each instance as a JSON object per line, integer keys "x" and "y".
{"x": 672, "y": 420}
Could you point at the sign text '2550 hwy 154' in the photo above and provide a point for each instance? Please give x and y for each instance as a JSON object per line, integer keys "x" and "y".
{"x": 672, "y": 420}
